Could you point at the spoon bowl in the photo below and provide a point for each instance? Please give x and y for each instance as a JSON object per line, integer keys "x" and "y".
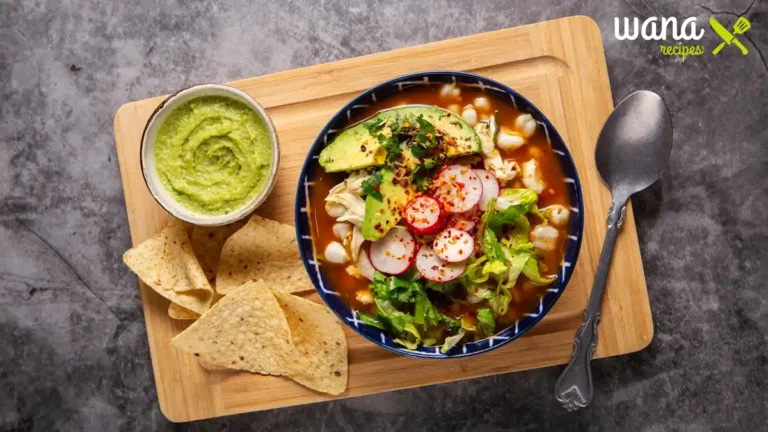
{"x": 635, "y": 144}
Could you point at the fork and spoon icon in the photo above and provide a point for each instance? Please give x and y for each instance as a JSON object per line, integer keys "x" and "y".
{"x": 739, "y": 27}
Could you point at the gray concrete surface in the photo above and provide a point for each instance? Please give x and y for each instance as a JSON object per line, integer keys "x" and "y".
{"x": 73, "y": 348}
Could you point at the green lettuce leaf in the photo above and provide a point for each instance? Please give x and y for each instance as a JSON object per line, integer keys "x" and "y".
{"x": 473, "y": 274}
{"x": 517, "y": 197}
{"x": 500, "y": 303}
{"x": 428, "y": 341}
{"x": 487, "y": 323}
{"x": 448, "y": 288}
{"x": 379, "y": 285}
{"x": 396, "y": 319}
{"x": 411, "y": 337}
{"x": 508, "y": 216}
{"x": 518, "y": 257}
{"x": 491, "y": 247}
{"x": 535, "y": 211}
{"x": 495, "y": 267}
{"x": 489, "y": 212}
{"x": 452, "y": 325}
{"x": 478, "y": 293}
{"x": 519, "y": 234}
{"x": 451, "y": 341}
{"x": 395, "y": 288}
{"x": 425, "y": 313}
{"x": 531, "y": 271}
{"x": 371, "y": 320}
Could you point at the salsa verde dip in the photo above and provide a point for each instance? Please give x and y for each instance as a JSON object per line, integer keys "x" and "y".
{"x": 213, "y": 154}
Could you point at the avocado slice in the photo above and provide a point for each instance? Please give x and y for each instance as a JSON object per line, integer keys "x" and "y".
{"x": 381, "y": 216}
{"x": 357, "y": 147}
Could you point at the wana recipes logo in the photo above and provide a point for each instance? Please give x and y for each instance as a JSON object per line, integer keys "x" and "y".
{"x": 664, "y": 28}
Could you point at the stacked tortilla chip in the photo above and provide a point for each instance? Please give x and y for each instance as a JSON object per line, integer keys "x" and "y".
{"x": 235, "y": 281}
{"x": 268, "y": 331}
{"x": 167, "y": 263}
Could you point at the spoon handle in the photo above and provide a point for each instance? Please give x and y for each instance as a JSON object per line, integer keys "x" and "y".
{"x": 574, "y": 387}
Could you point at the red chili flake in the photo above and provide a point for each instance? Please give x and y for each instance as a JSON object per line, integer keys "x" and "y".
{"x": 378, "y": 187}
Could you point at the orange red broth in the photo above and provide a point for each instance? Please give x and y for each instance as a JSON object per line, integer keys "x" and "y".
{"x": 525, "y": 296}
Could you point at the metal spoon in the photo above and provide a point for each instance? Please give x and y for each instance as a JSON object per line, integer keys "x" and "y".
{"x": 632, "y": 151}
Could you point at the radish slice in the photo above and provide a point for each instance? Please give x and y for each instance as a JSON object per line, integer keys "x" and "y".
{"x": 458, "y": 188}
{"x": 365, "y": 266}
{"x": 490, "y": 187}
{"x": 393, "y": 254}
{"x": 424, "y": 215}
{"x": 464, "y": 221}
{"x": 453, "y": 245}
{"x": 433, "y": 268}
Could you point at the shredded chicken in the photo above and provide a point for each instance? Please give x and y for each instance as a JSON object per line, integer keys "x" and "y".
{"x": 344, "y": 201}
{"x": 503, "y": 170}
{"x": 353, "y": 242}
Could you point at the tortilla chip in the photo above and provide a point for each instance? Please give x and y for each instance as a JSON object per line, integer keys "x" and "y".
{"x": 245, "y": 330}
{"x": 210, "y": 366}
{"x": 168, "y": 265}
{"x": 319, "y": 338}
{"x": 262, "y": 249}
{"x": 207, "y": 243}
{"x": 181, "y": 271}
{"x": 271, "y": 332}
{"x": 181, "y": 313}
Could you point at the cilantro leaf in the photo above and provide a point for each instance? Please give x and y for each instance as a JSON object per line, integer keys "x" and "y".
{"x": 426, "y": 133}
{"x": 421, "y": 177}
{"x": 419, "y": 150}
{"x": 374, "y": 125}
{"x": 371, "y": 185}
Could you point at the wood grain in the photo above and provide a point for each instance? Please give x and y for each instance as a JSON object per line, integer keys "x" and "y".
{"x": 559, "y": 65}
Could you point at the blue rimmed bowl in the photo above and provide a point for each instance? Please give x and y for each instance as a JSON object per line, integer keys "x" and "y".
{"x": 310, "y": 171}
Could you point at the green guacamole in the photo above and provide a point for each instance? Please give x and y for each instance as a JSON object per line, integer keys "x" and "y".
{"x": 213, "y": 154}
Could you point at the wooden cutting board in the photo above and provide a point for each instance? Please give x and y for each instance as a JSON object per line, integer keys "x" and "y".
{"x": 558, "y": 65}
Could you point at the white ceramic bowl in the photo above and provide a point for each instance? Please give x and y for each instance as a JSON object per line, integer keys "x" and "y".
{"x": 161, "y": 195}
